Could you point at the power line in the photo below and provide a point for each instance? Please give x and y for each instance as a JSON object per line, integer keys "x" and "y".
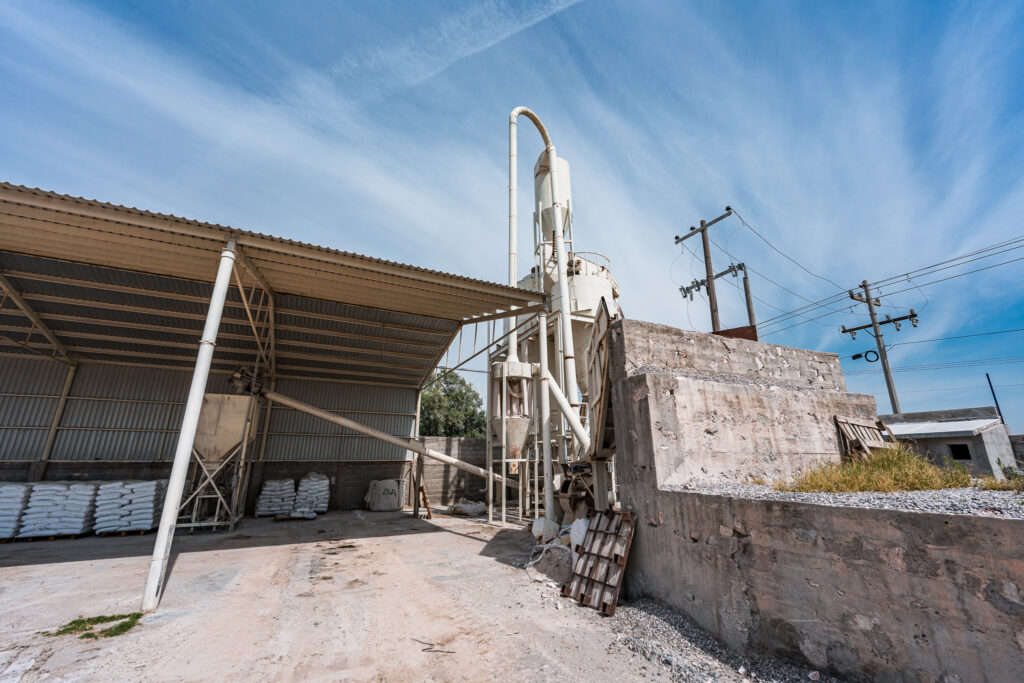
{"x": 768, "y": 279}
{"x": 933, "y": 268}
{"x": 914, "y": 273}
{"x": 960, "y": 336}
{"x": 783, "y": 254}
{"x": 928, "y": 391}
{"x": 1004, "y": 360}
{"x": 953, "y": 277}
{"x": 824, "y": 302}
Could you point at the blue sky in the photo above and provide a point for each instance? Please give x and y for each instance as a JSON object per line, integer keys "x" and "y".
{"x": 864, "y": 140}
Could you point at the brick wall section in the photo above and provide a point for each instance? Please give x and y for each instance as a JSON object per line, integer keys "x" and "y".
{"x": 446, "y": 484}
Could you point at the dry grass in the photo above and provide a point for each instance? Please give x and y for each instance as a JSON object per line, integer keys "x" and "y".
{"x": 1013, "y": 481}
{"x": 886, "y": 471}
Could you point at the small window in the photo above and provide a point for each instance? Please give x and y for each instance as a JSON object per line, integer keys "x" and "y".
{"x": 959, "y": 451}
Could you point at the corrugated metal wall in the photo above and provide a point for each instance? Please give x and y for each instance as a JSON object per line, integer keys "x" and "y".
{"x": 118, "y": 413}
{"x": 29, "y": 390}
{"x": 297, "y": 436}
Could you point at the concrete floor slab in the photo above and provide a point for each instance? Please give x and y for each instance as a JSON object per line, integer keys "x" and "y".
{"x": 348, "y": 596}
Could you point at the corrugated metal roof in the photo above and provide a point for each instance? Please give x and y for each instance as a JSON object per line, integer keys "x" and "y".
{"x": 106, "y": 315}
{"x": 44, "y": 223}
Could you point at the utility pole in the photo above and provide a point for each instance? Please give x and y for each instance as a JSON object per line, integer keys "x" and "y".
{"x": 733, "y": 269}
{"x": 748, "y": 296}
{"x": 876, "y": 331}
{"x": 716, "y": 324}
{"x": 993, "y": 390}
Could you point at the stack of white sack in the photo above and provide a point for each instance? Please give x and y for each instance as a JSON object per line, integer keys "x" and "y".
{"x": 312, "y": 496}
{"x": 58, "y": 509}
{"x": 129, "y": 505}
{"x": 13, "y": 497}
{"x": 276, "y": 498}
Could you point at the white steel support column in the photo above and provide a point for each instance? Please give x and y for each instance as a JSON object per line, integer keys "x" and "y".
{"x": 545, "y": 419}
{"x": 187, "y": 434}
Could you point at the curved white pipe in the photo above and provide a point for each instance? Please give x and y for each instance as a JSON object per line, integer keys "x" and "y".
{"x": 513, "y": 227}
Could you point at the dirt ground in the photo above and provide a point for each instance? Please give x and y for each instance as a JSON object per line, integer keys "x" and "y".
{"x": 348, "y": 596}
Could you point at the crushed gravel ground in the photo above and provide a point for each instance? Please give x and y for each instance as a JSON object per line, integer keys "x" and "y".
{"x": 678, "y": 649}
{"x": 964, "y": 501}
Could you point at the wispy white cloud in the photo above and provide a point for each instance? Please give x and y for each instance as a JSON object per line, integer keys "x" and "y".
{"x": 855, "y": 154}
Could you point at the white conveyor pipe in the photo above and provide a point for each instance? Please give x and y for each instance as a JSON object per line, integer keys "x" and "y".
{"x": 513, "y": 228}
{"x": 409, "y": 444}
{"x": 582, "y": 435}
{"x": 187, "y": 434}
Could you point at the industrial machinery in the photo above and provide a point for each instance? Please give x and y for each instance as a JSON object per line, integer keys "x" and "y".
{"x": 559, "y": 354}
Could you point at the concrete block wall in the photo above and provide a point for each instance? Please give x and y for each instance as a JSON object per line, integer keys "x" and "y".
{"x": 862, "y": 594}
{"x": 446, "y": 484}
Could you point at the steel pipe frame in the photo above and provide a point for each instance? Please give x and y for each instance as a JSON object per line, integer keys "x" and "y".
{"x": 187, "y": 435}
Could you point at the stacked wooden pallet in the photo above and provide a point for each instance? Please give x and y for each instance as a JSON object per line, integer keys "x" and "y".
{"x": 599, "y": 570}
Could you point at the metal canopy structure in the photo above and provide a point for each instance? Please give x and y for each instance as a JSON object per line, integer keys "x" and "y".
{"x": 82, "y": 279}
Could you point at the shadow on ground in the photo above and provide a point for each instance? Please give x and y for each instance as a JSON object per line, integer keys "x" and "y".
{"x": 509, "y": 546}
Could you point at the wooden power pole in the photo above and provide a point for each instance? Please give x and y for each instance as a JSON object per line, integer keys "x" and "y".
{"x": 716, "y": 324}
{"x": 876, "y": 331}
{"x": 733, "y": 269}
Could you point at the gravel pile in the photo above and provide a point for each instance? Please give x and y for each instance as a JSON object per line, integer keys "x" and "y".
{"x": 965, "y": 501}
{"x": 685, "y": 652}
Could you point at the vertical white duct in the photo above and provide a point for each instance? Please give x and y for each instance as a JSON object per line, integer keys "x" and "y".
{"x": 513, "y": 228}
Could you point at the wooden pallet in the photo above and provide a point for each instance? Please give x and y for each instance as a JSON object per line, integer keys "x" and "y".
{"x": 133, "y": 532}
{"x": 860, "y": 436}
{"x": 54, "y": 537}
{"x": 601, "y": 566}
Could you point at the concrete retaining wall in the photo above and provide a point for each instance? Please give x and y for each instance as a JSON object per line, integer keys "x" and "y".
{"x": 863, "y": 594}
{"x": 732, "y": 408}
